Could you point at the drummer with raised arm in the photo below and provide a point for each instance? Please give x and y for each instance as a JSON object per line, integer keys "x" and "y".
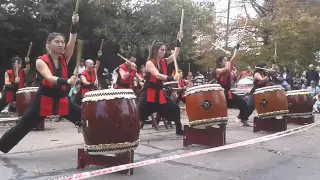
{"x": 260, "y": 79}
{"x": 152, "y": 98}
{"x": 14, "y": 80}
{"x": 223, "y": 74}
{"x": 51, "y": 98}
{"x": 126, "y": 74}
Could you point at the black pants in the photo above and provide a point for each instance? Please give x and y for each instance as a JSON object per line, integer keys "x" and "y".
{"x": 240, "y": 104}
{"x": 251, "y": 105}
{"x": 29, "y": 120}
{"x": 169, "y": 110}
{"x": 3, "y": 102}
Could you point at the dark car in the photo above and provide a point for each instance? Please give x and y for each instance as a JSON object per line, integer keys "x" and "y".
{"x": 243, "y": 86}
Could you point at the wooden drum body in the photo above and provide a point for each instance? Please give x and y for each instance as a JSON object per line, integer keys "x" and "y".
{"x": 24, "y": 99}
{"x": 111, "y": 121}
{"x": 299, "y": 102}
{"x": 270, "y": 101}
{"x": 206, "y": 106}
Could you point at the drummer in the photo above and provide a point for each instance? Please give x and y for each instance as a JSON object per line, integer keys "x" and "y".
{"x": 152, "y": 98}
{"x": 126, "y": 74}
{"x": 88, "y": 80}
{"x": 223, "y": 75}
{"x": 183, "y": 84}
{"x": 13, "y": 83}
{"x": 51, "y": 98}
{"x": 260, "y": 79}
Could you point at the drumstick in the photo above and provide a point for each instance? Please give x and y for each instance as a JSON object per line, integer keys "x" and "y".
{"x": 29, "y": 50}
{"x": 189, "y": 68}
{"x": 124, "y": 58}
{"x": 227, "y": 52}
{"x": 101, "y": 44}
{"x": 173, "y": 52}
{"x": 181, "y": 22}
{"x": 79, "y": 55}
{"x": 16, "y": 69}
{"x": 77, "y": 7}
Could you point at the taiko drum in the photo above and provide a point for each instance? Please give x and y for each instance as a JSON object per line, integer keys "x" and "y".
{"x": 24, "y": 99}
{"x": 299, "y": 102}
{"x": 206, "y": 105}
{"x": 271, "y": 101}
{"x": 111, "y": 121}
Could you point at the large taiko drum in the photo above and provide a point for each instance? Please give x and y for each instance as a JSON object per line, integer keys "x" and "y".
{"x": 24, "y": 99}
{"x": 206, "y": 105}
{"x": 299, "y": 102}
{"x": 111, "y": 121}
{"x": 271, "y": 101}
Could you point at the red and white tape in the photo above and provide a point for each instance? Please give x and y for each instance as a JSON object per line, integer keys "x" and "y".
{"x": 85, "y": 175}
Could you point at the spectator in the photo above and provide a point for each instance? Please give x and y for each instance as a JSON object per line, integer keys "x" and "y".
{"x": 286, "y": 76}
{"x": 246, "y": 73}
{"x": 314, "y": 89}
{"x": 198, "y": 79}
{"x": 209, "y": 75}
{"x": 312, "y": 75}
{"x": 298, "y": 82}
{"x": 190, "y": 79}
{"x": 74, "y": 90}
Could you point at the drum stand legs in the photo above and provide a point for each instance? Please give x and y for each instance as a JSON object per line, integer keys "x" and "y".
{"x": 157, "y": 119}
{"x": 271, "y": 124}
{"x": 85, "y": 159}
{"x": 301, "y": 120}
{"x": 210, "y": 136}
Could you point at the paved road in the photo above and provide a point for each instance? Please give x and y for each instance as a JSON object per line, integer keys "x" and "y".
{"x": 53, "y": 153}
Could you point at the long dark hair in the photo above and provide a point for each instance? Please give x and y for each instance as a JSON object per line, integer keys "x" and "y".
{"x": 156, "y": 45}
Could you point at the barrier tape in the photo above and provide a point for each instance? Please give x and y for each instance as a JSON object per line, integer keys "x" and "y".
{"x": 85, "y": 175}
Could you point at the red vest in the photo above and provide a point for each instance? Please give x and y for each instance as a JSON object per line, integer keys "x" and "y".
{"x": 48, "y": 102}
{"x": 225, "y": 81}
{"x": 143, "y": 76}
{"x": 12, "y": 89}
{"x": 181, "y": 83}
{"x": 125, "y": 83}
{"x": 154, "y": 86}
{"x": 91, "y": 78}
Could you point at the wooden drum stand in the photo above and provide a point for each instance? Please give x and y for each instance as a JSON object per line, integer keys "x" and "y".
{"x": 301, "y": 119}
{"x": 270, "y": 124}
{"x": 209, "y": 136}
{"x": 85, "y": 159}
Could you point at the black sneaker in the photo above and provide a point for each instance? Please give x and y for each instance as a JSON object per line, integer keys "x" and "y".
{"x": 179, "y": 132}
{"x": 246, "y": 124}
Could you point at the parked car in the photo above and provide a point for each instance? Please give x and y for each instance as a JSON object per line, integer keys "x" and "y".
{"x": 243, "y": 86}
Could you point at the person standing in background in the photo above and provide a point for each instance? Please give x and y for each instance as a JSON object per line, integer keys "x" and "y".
{"x": 198, "y": 79}
{"x": 312, "y": 75}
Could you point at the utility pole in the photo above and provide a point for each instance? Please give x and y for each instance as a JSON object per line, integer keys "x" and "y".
{"x": 228, "y": 23}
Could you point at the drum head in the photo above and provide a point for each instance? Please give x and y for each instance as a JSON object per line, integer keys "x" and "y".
{"x": 108, "y": 94}
{"x": 170, "y": 83}
{"x": 27, "y": 90}
{"x": 206, "y": 87}
{"x": 298, "y": 92}
{"x": 268, "y": 88}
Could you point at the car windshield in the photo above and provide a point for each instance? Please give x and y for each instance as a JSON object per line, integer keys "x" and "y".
{"x": 245, "y": 81}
